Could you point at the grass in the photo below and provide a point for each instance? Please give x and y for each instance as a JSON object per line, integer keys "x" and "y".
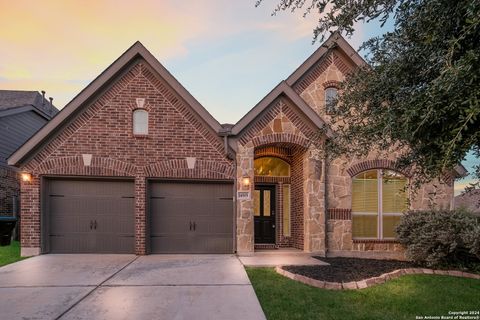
{"x": 10, "y": 254}
{"x": 401, "y": 298}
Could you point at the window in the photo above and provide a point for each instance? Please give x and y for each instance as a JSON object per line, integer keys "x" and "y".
{"x": 379, "y": 199}
{"x": 331, "y": 95}
{"x": 286, "y": 210}
{"x": 271, "y": 166}
{"x": 140, "y": 122}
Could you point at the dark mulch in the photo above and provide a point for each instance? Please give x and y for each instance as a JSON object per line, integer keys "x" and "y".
{"x": 349, "y": 269}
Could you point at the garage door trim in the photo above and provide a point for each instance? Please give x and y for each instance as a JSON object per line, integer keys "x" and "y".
{"x": 151, "y": 180}
{"x": 44, "y": 217}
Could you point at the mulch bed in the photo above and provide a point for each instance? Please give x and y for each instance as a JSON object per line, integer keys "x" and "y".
{"x": 349, "y": 269}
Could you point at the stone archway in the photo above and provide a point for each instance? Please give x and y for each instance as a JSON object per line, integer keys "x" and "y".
{"x": 308, "y": 188}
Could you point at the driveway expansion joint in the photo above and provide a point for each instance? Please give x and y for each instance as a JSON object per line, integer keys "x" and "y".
{"x": 95, "y": 288}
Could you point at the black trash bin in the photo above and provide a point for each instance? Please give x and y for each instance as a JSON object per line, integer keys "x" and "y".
{"x": 6, "y": 227}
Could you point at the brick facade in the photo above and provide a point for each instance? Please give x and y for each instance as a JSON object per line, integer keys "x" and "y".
{"x": 104, "y": 130}
{"x": 321, "y": 191}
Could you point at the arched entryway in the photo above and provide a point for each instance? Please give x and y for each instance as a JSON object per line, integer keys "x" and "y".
{"x": 277, "y": 196}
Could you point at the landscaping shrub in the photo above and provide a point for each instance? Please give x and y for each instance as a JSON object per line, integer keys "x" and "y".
{"x": 441, "y": 238}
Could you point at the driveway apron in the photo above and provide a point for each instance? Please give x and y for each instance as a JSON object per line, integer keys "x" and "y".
{"x": 128, "y": 287}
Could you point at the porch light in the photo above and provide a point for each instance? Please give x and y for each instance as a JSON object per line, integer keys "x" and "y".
{"x": 26, "y": 177}
{"x": 246, "y": 181}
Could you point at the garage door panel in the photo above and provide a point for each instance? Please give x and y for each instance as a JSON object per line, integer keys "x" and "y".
{"x": 169, "y": 224}
{"x": 173, "y": 243}
{"x": 72, "y": 242}
{"x": 90, "y": 216}
{"x": 173, "y": 205}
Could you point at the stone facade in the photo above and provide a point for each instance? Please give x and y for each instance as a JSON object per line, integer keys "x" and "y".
{"x": 339, "y": 172}
{"x": 283, "y": 126}
{"x": 277, "y": 128}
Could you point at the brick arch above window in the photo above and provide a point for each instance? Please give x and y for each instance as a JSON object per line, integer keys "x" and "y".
{"x": 331, "y": 84}
{"x": 273, "y": 151}
{"x": 376, "y": 164}
{"x": 281, "y": 138}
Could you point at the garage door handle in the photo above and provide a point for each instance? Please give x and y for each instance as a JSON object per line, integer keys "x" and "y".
{"x": 194, "y": 226}
{"x": 95, "y": 225}
{"x": 91, "y": 224}
{"x": 190, "y": 225}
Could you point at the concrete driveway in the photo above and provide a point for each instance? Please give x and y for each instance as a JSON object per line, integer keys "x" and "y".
{"x": 127, "y": 287}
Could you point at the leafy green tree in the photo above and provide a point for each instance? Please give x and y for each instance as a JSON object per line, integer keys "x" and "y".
{"x": 421, "y": 89}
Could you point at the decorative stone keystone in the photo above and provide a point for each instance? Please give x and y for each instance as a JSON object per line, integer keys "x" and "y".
{"x": 140, "y": 102}
{"x": 87, "y": 159}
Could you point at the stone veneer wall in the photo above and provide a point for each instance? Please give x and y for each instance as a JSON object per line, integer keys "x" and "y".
{"x": 339, "y": 185}
{"x": 329, "y": 72}
{"x": 280, "y": 126}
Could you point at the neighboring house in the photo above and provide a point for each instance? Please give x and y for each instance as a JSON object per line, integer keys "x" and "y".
{"x": 469, "y": 201}
{"x": 134, "y": 164}
{"x": 22, "y": 113}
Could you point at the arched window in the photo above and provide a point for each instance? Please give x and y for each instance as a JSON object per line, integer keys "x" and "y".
{"x": 140, "y": 122}
{"x": 271, "y": 166}
{"x": 379, "y": 198}
{"x": 331, "y": 96}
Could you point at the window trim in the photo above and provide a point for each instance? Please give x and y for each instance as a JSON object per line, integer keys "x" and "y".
{"x": 133, "y": 123}
{"x": 380, "y": 213}
{"x": 333, "y": 109}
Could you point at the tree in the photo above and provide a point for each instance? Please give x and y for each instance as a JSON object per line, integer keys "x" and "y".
{"x": 421, "y": 89}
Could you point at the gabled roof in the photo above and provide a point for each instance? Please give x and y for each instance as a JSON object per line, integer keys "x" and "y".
{"x": 281, "y": 89}
{"x": 16, "y": 101}
{"x": 334, "y": 41}
{"x": 137, "y": 50}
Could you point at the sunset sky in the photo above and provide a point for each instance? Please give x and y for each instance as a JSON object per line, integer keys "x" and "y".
{"x": 228, "y": 54}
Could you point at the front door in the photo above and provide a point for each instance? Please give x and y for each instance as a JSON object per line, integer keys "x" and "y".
{"x": 264, "y": 211}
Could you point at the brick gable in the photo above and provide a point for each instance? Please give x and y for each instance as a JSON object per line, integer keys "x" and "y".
{"x": 105, "y": 128}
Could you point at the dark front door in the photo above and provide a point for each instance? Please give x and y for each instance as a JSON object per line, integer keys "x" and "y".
{"x": 264, "y": 212}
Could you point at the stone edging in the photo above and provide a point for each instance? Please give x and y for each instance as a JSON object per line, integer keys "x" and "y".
{"x": 370, "y": 281}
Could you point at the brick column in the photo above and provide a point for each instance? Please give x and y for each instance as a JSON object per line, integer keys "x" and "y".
{"x": 140, "y": 216}
{"x": 30, "y": 217}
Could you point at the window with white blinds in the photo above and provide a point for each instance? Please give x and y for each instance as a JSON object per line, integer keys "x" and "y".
{"x": 379, "y": 198}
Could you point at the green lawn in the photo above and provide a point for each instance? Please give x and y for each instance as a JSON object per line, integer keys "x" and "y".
{"x": 402, "y": 298}
{"x": 10, "y": 254}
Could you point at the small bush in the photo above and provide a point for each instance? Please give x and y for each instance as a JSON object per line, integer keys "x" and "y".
{"x": 441, "y": 238}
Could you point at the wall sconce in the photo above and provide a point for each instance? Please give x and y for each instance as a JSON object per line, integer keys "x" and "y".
{"x": 26, "y": 177}
{"x": 246, "y": 182}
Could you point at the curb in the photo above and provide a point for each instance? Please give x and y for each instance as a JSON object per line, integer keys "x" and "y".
{"x": 366, "y": 283}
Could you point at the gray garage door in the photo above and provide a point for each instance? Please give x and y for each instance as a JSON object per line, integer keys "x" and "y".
{"x": 191, "y": 217}
{"x": 90, "y": 216}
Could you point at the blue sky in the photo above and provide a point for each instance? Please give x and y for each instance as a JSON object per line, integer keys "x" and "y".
{"x": 228, "y": 54}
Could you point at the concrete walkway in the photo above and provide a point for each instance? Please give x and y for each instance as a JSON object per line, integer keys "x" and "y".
{"x": 280, "y": 257}
{"x": 127, "y": 287}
